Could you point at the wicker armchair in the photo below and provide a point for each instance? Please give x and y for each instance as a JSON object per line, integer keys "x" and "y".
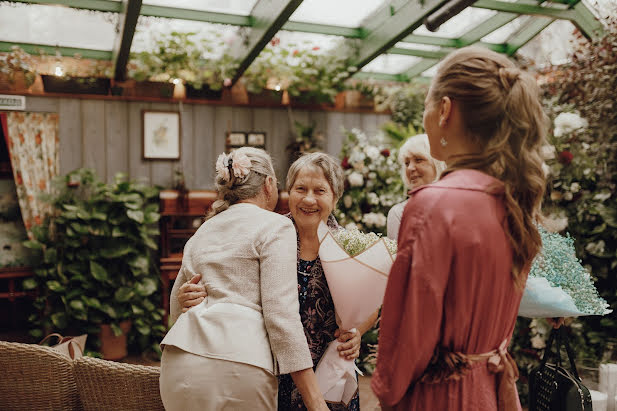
{"x": 33, "y": 377}
{"x": 108, "y": 385}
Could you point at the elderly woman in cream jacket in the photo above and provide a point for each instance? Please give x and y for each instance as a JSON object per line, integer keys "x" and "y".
{"x": 417, "y": 168}
{"x": 225, "y": 353}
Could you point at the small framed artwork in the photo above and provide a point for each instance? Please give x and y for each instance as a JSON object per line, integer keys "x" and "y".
{"x": 161, "y": 139}
{"x": 236, "y": 139}
{"x": 257, "y": 139}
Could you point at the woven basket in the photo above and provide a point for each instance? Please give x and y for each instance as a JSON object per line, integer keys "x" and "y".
{"x": 34, "y": 377}
{"x": 108, "y": 385}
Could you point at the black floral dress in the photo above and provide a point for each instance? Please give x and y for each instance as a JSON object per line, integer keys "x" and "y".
{"x": 319, "y": 321}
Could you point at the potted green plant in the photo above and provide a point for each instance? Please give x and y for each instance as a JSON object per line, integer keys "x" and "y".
{"x": 17, "y": 72}
{"x": 182, "y": 57}
{"x": 77, "y": 76}
{"x": 309, "y": 75}
{"x": 96, "y": 268}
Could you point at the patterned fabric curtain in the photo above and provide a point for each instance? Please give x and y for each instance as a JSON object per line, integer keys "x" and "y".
{"x": 33, "y": 148}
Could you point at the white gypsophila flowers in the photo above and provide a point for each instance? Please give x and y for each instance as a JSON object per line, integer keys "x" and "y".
{"x": 537, "y": 342}
{"x": 354, "y": 241}
{"x": 356, "y": 179}
{"x": 557, "y": 222}
{"x": 568, "y": 122}
{"x": 596, "y": 248}
{"x": 568, "y": 196}
{"x": 575, "y": 187}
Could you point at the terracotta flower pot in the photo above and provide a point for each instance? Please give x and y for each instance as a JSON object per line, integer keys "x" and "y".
{"x": 114, "y": 347}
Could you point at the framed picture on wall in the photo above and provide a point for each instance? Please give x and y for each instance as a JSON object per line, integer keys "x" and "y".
{"x": 257, "y": 139}
{"x": 161, "y": 139}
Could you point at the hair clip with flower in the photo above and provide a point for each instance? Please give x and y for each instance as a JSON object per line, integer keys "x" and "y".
{"x": 237, "y": 163}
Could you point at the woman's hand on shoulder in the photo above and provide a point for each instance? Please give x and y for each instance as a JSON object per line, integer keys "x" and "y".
{"x": 350, "y": 349}
{"x": 191, "y": 293}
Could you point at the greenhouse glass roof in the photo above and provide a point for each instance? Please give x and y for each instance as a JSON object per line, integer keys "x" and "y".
{"x": 383, "y": 39}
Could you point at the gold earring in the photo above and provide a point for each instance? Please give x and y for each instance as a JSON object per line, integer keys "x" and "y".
{"x": 441, "y": 122}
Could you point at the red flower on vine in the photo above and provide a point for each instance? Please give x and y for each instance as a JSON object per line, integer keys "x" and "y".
{"x": 385, "y": 152}
{"x": 345, "y": 163}
{"x": 295, "y": 53}
{"x": 275, "y": 41}
{"x": 565, "y": 157}
{"x": 315, "y": 48}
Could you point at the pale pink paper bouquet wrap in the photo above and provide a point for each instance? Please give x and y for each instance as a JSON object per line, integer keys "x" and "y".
{"x": 357, "y": 285}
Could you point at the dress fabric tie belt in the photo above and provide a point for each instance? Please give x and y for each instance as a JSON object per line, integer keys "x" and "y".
{"x": 446, "y": 365}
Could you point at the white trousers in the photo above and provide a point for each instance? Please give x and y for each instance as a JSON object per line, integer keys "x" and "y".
{"x": 192, "y": 382}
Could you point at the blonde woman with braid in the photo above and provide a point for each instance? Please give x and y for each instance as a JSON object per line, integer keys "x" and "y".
{"x": 466, "y": 243}
{"x": 225, "y": 353}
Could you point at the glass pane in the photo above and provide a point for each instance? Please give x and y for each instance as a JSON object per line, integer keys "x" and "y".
{"x": 345, "y": 13}
{"x": 242, "y": 7}
{"x": 390, "y": 64}
{"x": 57, "y": 25}
{"x": 416, "y": 46}
{"x": 502, "y": 34}
{"x": 430, "y": 72}
{"x": 220, "y": 36}
{"x": 552, "y": 46}
{"x": 459, "y": 24}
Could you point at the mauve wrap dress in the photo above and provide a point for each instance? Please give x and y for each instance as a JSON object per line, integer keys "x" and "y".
{"x": 451, "y": 285}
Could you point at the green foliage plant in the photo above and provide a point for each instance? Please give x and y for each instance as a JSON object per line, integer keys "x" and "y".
{"x": 186, "y": 57}
{"x": 96, "y": 260}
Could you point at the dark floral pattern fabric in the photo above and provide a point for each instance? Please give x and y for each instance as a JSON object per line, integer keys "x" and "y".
{"x": 319, "y": 321}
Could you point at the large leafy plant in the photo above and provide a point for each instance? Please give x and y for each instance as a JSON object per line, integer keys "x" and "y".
{"x": 96, "y": 261}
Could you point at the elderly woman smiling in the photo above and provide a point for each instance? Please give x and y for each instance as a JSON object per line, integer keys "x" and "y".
{"x": 315, "y": 183}
{"x": 417, "y": 168}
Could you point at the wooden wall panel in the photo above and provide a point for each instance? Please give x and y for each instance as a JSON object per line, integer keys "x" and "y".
{"x": 138, "y": 168}
{"x": 69, "y": 131}
{"x": 117, "y": 141}
{"x": 107, "y": 135}
{"x": 94, "y": 146}
{"x": 204, "y": 154}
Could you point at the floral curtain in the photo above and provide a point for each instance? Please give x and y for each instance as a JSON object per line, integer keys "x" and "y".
{"x": 33, "y": 149}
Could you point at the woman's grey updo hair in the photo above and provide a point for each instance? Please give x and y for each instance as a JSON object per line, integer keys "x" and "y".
{"x": 242, "y": 188}
{"x": 330, "y": 167}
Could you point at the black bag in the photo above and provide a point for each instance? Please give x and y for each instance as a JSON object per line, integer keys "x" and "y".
{"x": 552, "y": 387}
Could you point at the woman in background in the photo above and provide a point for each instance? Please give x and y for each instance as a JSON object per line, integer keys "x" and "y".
{"x": 417, "y": 168}
{"x": 466, "y": 242}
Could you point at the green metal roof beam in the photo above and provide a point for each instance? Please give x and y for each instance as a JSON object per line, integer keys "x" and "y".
{"x": 35, "y": 49}
{"x": 403, "y": 20}
{"x": 96, "y": 5}
{"x": 530, "y": 9}
{"x": 124, "y": 37}
{"x": 432, "y": 40}
{"x": 429, "y": 54}
{"x": 526, "y": 33}
{"x": 420, "y": 67}
{"x": 195, "y": 15}
{"x": 350, "y": 32}
{"x": 587, "y": 22}
{"x": 365, "y": 75}
{"x": 268, "y": 17}
{"x": 487, "y": 27}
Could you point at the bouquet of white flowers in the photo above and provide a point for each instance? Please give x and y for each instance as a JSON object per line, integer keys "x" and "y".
{"x": 356, "y": 266}
{"x": 558, "y": 285}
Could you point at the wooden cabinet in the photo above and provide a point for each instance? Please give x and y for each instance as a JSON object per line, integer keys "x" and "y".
{"x": 181, "y": 216}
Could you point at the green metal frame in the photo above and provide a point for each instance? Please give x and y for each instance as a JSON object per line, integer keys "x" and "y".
{"x": 379, "y": 34}
{"x": 268, "y": 18}
{"x": 124, "y": 38}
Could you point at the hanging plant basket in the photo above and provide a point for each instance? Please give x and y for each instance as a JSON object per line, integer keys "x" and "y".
{"x": 16, "y": 83}
{"x": 156, "y": 89}
{"x": 266, "y": 98}
{"x": 203, "y": 93}
{"x": 75, "y": 85}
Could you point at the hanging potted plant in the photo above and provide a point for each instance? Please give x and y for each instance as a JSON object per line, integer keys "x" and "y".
{"x": 96, "y": 272}
{"x": 78, "y": 76}
{"x": 17, "y": 71}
